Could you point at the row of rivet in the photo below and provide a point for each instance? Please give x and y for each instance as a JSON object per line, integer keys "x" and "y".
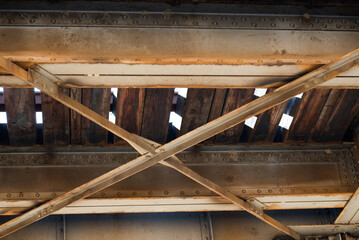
{"x": 274, "y": 191}
{"x": 180, "y": 20}
{"x": 7, "y": 159}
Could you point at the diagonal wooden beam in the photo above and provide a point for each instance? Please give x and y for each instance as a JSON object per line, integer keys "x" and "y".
{"x": 302, "y": 84}
{"x": 48, "y": 83}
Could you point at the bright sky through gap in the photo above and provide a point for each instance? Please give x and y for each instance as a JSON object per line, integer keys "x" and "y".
{"x": 251, "y": 122}
{"x": 114, "y": 91}
{"x": 176, "y": 120}
{"x": 112, "y": 117}
{"x": 38, "y": 117}
{"x": 286, "y": 121}
{"x": 259, "y": 92}
{"x": 3, "y": 118}
{"x": 182, "y": 92}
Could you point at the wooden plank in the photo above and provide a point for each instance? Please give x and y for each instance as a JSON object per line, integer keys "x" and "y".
{"x": 129, "y": 109}
{"x": 268, "y": 123}
{"x": 325, "y": 114}
{"x": 97, "y": 99}
{"x": 248, "y": 132}
{"x": 75, "y": 118}
{"x": 219, "y": 99}
{"x": 156, "y": 114}
{"x": 304, "y": 83}
{"x": 56, "y": 120}
{"x": 196, "y": 109}
{"x": 235, "y": 99}
{"x": 308, "y": 113}
{"x": 292, "y": 110}
{"x": 343, "y": 113}
{"x": 20, "y": 110}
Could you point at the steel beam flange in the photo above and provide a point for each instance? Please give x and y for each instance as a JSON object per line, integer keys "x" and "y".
{"x": 178, "y": 20}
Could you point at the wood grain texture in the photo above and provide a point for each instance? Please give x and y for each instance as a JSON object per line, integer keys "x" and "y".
{"x": 156, "y": 113}
{"x": 307, "y": 115}
{"x": 20, "y": 110}
{"x": 344, "y": 111}
{"x": 325, "y": 114}
{"x": 235, "y": 98}
{"x": 196, "y": 109}
{"x": 219, "y": 99}
{"x": 292, "y": 110}
{"x": 129, "y": 110}
{"x": 56, "y": 119}
{"x": 75, "y": 118}
{"x": 97, "y": 99}
{"x": 268, "y": 123}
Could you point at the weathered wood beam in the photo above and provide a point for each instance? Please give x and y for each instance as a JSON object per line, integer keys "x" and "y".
{"x": 76, "y": 75}
{"x": 231, "y": 119}
{"x": 39, "y": 78}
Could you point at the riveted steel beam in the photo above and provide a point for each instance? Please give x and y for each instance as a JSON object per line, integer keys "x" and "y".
{"x": 175, "y": 20}
{"x": 300, "y": 171}
{"x": 174, "y": 46}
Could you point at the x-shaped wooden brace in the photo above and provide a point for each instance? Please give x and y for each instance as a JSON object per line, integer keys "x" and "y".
{"x": 153, "y": 153}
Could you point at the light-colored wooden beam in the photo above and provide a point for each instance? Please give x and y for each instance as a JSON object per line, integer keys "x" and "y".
{"x": 76, "y": 75}
{"x": 177, "y": 204}
{"x": 40, "y": 79}
{"x": 300, "y": 85}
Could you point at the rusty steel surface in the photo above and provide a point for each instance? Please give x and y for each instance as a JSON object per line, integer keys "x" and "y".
{"x": 320, "y": 170}
{"x": 178, "y": 20}
{"x": 180, "y": 42}
{"x": 174, "y": 46}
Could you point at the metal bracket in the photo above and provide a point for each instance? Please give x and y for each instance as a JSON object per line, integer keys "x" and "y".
{"x": 206, "y": 226}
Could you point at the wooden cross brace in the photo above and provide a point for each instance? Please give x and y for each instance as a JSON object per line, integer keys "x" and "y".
{"x": 152, "y": 152}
